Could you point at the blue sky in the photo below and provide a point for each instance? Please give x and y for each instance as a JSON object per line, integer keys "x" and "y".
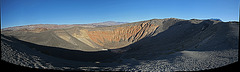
{"x": 25, "y": 12}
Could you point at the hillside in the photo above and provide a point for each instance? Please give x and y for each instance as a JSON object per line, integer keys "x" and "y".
{"x": 176, "y": 44}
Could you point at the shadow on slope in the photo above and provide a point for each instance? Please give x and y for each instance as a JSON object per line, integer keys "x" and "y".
{"x": 181, "y": 36}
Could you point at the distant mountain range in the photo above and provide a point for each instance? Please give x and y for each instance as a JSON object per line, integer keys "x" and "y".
{"x": 109, "y": 23}
{"x": 215, "y": 19}
{"x": 55, "y": 26}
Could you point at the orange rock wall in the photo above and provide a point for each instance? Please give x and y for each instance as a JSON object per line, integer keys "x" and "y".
{"x": 128, "y": 34}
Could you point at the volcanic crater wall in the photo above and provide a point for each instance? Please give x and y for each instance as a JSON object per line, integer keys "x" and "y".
{"x": 96, "y": 39}
{"x": 121, "y": 36}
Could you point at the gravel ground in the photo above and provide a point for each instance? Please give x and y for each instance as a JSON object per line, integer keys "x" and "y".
{"x": 187, "y": 60}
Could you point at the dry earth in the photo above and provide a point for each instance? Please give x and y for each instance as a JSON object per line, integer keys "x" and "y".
{"x": 154, "y": 45}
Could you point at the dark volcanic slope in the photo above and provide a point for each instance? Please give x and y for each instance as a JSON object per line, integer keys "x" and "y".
{"x": 158, "y": 44}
